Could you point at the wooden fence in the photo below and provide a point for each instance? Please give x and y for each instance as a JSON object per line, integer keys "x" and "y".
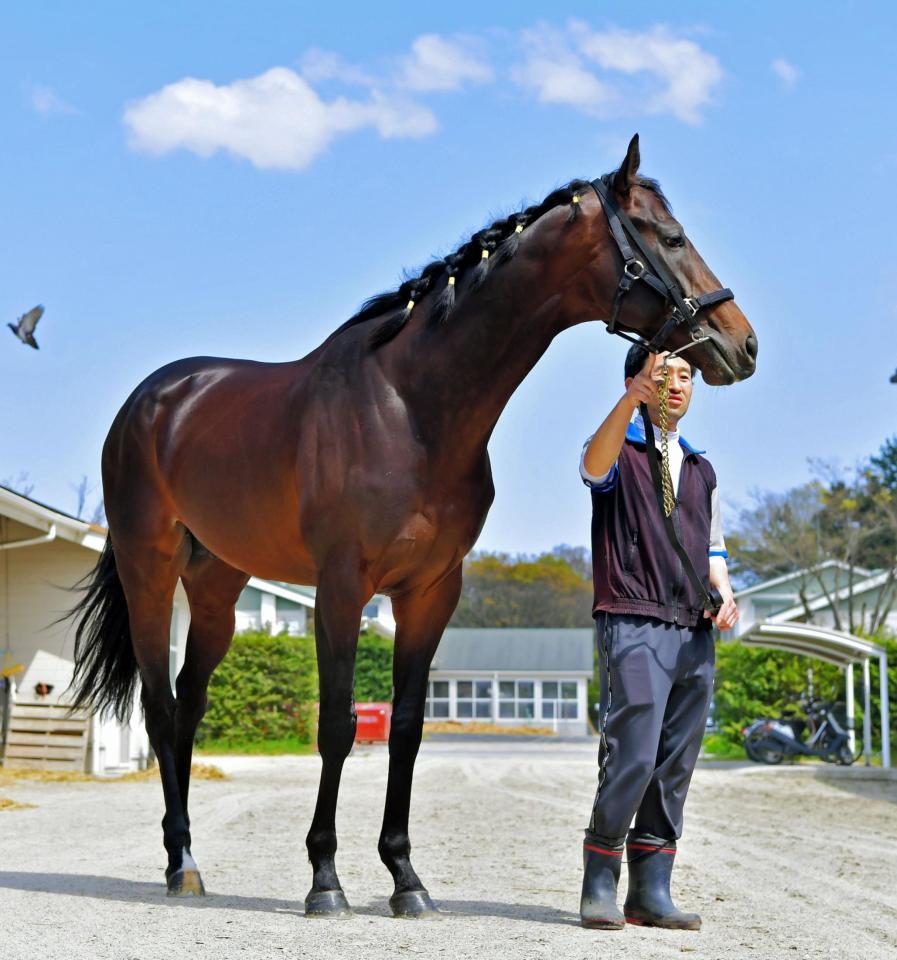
{"x": 46, "y": 737}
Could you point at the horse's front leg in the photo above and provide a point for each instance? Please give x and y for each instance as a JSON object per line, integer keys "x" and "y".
{"x": 421, "y": 618}
{"x": 338, "y": 607}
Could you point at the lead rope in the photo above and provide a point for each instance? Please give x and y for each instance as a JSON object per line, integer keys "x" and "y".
{"x": 663, "y": 395}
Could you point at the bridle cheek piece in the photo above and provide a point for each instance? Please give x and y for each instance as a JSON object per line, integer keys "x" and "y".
{"x": 682, "y": 310}
{"x": 646, "y": 268}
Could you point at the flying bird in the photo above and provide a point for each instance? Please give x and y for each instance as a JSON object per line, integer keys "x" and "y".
{"x": 24, "y": 329}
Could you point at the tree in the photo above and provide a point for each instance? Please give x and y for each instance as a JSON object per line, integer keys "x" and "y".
{"x": 846, "y": 516}
{"x": 21, "y": 483}
{"x": 83, "y": 490}
{"x": 550, "y": 590}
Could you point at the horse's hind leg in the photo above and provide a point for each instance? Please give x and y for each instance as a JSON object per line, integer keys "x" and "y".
{"x": 420, "y": 621}
{"x": 213, "y": 588}
{"x": 338, "y": 606}
{"x": 149, "y": 566}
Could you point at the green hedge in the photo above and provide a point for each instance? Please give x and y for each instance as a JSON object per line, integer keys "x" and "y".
{"x": 267, "y": 687}
{"x": 752, "y": 683}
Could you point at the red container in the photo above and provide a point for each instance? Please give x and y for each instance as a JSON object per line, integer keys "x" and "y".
{"x": 373, "y": 722}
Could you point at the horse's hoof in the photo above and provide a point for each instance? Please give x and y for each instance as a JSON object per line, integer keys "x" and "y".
{"x": 327, "y": 905}
{"x": 186, "y": 883}
{"x": 414, "y": 905}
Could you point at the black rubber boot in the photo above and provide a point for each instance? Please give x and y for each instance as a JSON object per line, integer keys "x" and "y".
{"x": 598, "y": 908}
{"x": 648, "y": 902}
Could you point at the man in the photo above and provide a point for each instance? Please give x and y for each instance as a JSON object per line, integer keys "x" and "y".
{"x": 656, "y": 650}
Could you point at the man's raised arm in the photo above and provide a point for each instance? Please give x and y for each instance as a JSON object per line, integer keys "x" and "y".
{"x": 604, "y": 447}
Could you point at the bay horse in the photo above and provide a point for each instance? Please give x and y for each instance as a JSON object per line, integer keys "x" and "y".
{"x": 361, "y": 468}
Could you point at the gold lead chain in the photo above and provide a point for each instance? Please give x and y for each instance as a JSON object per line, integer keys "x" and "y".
{"x": 666, "y": 480}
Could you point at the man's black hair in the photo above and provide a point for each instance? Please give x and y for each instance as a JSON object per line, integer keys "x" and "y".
{"x": 636, "y": 356}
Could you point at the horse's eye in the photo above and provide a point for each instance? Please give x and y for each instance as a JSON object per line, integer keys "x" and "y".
{"x": 677, "y": 241}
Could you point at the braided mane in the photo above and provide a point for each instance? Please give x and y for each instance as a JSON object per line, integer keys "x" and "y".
{"x": 487, "y": 248}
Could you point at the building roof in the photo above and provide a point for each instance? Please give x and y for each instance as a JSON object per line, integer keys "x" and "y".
{"x": 822, "y": 602}
{"x": 513, "y": 649}
{"x": 50, "y": 521}
{"x": 797, "y": 575}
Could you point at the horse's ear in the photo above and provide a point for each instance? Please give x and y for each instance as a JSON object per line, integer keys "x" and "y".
{"x": 624, "y": 178}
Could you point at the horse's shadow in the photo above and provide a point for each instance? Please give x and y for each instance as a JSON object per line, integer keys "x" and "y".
{"x": 139, "y": 891}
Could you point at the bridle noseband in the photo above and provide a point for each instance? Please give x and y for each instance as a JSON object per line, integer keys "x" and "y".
{"x": 648, "y": 269}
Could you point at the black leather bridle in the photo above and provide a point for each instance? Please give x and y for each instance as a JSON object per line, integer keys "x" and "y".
{"x": 648, "y": 269}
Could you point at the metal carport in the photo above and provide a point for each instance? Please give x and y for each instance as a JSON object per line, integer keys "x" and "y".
{"x": 842, "y": 649}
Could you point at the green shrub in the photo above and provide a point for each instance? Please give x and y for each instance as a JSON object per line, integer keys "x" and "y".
{"x": 884, "y": 639}
{"x": 266, "y": 689}
{"x": 720, "y": 747}
{"x": 752, "y": 683}
{"x": 373, "y": 668}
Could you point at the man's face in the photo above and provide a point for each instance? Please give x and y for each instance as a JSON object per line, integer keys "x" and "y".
{"x": 681, "y": 385}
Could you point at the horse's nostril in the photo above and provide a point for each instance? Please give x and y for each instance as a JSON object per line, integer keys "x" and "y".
{"x": 750, "y": 346}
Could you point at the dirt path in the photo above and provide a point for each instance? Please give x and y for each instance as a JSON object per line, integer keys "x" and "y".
{"x": 767, "y": 858}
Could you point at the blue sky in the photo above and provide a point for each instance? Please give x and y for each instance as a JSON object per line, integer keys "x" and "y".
{"x": 232, "y": 179}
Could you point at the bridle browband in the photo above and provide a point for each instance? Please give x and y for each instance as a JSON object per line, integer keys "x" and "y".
{"x": 646, "y": 267}
{"x": 682, "y": 310}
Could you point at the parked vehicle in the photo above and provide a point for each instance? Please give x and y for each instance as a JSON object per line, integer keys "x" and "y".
{"x": 823, "y": 734}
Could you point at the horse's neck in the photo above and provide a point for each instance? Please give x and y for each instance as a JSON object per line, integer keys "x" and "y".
{"x": 464, "y": 373}
{"x": 456, "y": 379}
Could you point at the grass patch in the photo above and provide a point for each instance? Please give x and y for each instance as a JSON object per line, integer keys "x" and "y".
{"x": 6, "y": 804}
{"x": 198, "y": 771}
{"x": 275, "y": 746}
{"x": 455, "y": 726}
{"x": 720, "y": 747}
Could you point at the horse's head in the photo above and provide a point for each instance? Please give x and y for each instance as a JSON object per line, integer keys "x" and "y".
{"x": 729, "y": 353}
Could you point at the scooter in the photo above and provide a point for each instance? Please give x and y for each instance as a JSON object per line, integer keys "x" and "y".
{"x": 769, "y": 741}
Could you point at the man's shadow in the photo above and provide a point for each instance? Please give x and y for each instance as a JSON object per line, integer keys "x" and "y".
{"x": 141, "y": 891}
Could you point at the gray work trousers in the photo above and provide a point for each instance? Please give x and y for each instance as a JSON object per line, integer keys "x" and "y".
{"x": 656, "y": 684}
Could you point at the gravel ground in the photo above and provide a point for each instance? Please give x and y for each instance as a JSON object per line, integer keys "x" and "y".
{"x": 768, "y": 858}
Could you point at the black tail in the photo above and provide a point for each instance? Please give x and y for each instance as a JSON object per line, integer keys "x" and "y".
{"x": 105, "y": 667}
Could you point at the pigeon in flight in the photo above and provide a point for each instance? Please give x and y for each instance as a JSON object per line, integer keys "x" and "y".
{"x": 24, "y": 329}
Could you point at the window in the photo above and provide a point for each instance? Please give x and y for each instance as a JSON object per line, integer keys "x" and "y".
{"x": 559, "y": 700}
{"x": 474, "y": 699}
{"x": 516, "y": 700}
{"x": 437, "y": 707}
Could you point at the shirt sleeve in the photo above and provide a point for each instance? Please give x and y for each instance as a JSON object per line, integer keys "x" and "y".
{"x": 717, "y": 543}
{"x": 602, "y": 484}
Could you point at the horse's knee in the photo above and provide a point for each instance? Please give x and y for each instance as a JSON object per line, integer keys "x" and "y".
{"x": 192, "y": 697}
{"x": 336, "y": 732}
{"x": 159, "y": 709}
{"x": 405, "y": 734}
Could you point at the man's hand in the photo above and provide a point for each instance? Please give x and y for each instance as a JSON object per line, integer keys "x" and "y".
{"x": 643, "y": 387}
{"x": 728, "y": 613}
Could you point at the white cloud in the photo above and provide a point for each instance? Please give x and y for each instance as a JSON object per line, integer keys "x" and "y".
{"x": 555, "y": 73}
{"x": 275, "y": 120}
{"x": 615, "y": 71}
{"x": 785, "y": 71}
{"x": 437, "y": 63}
{"x": 319, "y": 65}
{"x": 45, "y": 100}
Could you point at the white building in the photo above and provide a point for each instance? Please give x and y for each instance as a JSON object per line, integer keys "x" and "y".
{"x": 528, "y": 677}
{"x": 779, "y": 600}
{"x": 43, "y": 551}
